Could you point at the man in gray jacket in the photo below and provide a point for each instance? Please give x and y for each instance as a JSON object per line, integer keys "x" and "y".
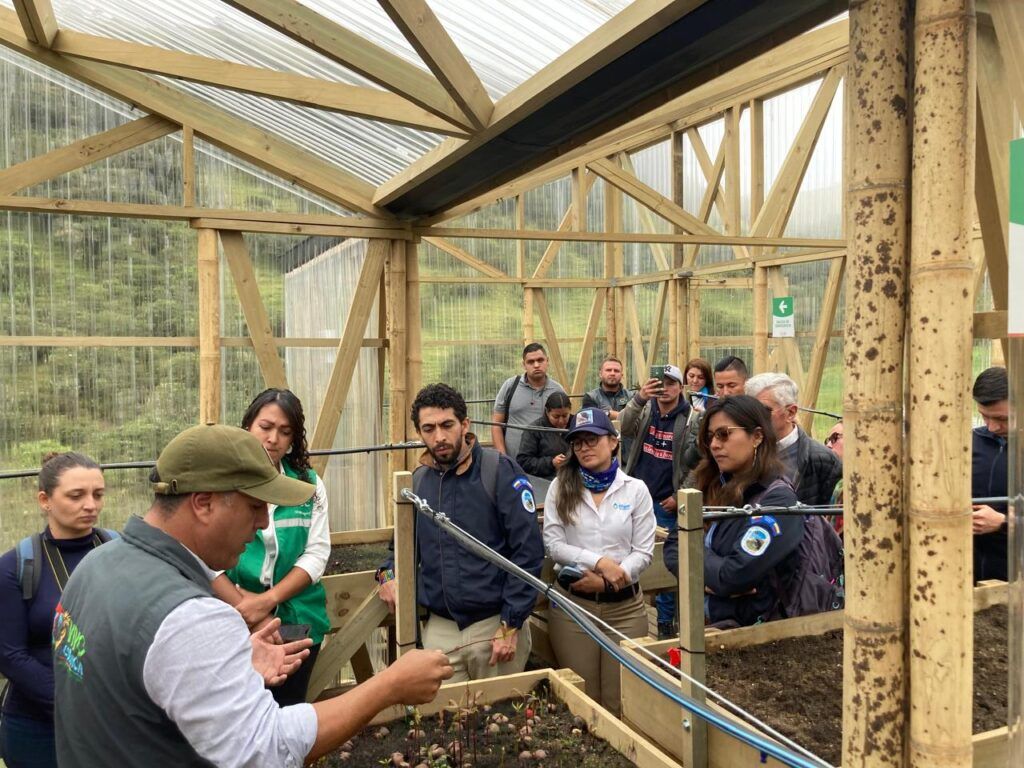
{"x": 611, "y": 395}
{"x": 152, "y": 670}
{"x": 813, "y": 469}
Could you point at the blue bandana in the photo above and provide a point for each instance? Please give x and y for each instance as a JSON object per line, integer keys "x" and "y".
{"x": 598, "y": 482}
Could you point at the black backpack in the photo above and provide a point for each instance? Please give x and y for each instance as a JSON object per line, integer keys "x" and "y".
{"x": 819, "y": 583}
{"x": 29, "y": 558}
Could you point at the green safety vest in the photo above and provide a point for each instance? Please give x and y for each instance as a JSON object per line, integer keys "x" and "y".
{"x": 291, "y": 528}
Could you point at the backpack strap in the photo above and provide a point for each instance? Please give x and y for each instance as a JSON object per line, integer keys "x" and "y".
{"x": 489, "y": 459}
{"x": 28, "y": 555}
{"x": 106, "y": 534}
{"x": 508, "y": 403}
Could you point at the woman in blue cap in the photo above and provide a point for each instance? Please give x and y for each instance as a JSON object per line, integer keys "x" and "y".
{"x": 600, "y": 520}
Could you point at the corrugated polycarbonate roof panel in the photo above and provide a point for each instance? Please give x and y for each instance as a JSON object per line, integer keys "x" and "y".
{"x": 505, "y": 43}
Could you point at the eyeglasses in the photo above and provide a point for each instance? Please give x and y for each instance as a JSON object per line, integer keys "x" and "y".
{"x": 721, "y": 434}
{"x": 589, "y": 440}
{"x": 834, "y": 438}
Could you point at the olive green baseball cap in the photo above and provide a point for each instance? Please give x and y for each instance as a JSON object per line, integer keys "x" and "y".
{"x": 218, "y": 458}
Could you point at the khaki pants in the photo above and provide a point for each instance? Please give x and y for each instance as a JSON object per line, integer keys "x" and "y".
{"x": 576, "y": 650}
{"x": 472, "y": 654}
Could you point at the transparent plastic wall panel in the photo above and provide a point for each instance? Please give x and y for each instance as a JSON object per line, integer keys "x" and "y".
{"x": 318, "y": 295}
{"x": 818, "y": 208}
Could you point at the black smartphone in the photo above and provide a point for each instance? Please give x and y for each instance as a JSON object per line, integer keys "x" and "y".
{"x": 569, "y": 575}
{"x": 292, "y": 632}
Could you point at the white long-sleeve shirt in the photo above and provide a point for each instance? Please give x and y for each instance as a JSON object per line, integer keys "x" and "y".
{"x": 318, "y": 546}
{"x": 621, "y": 527}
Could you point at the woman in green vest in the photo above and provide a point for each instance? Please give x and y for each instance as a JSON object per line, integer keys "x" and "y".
{"x": 279, "y": 572}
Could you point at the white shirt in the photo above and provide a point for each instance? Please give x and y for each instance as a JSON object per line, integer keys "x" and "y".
{"x": 621, "y": 528}
{"x": 318, "y": 546}
{"x": 199, "y": 671}
{"x": 788, "y": 440}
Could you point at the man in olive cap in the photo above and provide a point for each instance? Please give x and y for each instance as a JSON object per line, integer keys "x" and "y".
{"x": 152, "y": 670}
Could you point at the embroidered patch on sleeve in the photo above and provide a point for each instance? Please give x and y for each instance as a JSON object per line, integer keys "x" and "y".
{"x": 755, "y": 541}
{"x": 528, "y": 503}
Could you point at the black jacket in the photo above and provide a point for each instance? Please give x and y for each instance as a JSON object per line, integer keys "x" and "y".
{"x": 739, "y": 560}
{"x": 817, "y": 471}
{"x": 538, "y": 449}
{"x": 989, "y": 466}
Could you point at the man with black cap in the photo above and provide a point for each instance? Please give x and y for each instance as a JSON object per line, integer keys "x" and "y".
{"x": 152, "y": 670}
{"x": 656, "y": 418}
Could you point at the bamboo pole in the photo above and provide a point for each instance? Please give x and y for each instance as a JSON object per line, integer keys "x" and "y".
{"x": 941, "y": 280}
{"x": 760, "y": 319}
{"x": 874, "y": 679}
{"x": 209, "y": 327}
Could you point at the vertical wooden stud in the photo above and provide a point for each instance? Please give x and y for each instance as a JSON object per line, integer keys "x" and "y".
{"x": 405, "y": 564}
{"x": 760, "y": 319}
{"x": 188, "y": 167}
{"x": 691, "y": 619}
{"x": 209, "y": 327}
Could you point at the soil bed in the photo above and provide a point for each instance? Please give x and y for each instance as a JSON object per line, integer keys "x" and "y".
{"x": 484, "y": 736}
{"x": 349, "y": 558}
{"x": 794, "y": 685}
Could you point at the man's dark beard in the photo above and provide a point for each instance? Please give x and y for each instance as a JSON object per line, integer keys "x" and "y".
{"x": 456, "y": 453}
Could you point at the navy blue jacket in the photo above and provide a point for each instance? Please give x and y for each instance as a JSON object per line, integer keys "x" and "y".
{"x": 989, "y": 467}
{"x": 456, "y": 584}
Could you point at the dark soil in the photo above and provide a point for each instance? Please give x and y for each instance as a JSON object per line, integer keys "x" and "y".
{"x": 794, "y": 685}
{"x": 349, "y": 558}
{"x": 483, "y": 737}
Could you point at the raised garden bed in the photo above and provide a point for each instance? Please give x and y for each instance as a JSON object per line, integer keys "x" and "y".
{"x": 789, "y": 674}
{"x": 539, "y": 718}
{"x": 352, "y": 558}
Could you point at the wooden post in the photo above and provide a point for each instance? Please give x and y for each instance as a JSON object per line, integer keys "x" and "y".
{"x": 188, "y": 167}
{"x": 209, "y": 327}
{"x": 693, "y": 317}
{"x": 877, "y": 198}
{"x": 691, "y": 619}
{"x": 760, "y": 319}
{"x": 405, "y": 564}
{"x": 940, "y": 322}
{"x": 413, "y": 320}
{"x": 397, "y": 353}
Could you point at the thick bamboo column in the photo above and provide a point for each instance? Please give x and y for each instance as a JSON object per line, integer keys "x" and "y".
{"x": 877, "y": 199}
{"x": 760, "y": 319}
{"x": 209, "y": 327}
{"x": 941, "y": 281}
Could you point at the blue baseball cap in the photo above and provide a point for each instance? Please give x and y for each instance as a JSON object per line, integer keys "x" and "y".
{"x": 592, "y": 420}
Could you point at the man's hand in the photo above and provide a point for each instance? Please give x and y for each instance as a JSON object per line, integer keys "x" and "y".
{"x": 388, "y": 592}
{"x": 416, "y": 676}
{"x": 613, "y": 415}
{"x": 669, "y": 504}
{"x": 651, "y": 388}
{"x": 255, "y": 607}
{"x": 274, "y": 661}
{"x": 614, "y": 573}
{"x": 503, "y": 645}
{"x": 559, "y": 460}
{"x": 986, "y": 520}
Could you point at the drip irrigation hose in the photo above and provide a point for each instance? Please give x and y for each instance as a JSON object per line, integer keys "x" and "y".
{"x": 582, "y": 618}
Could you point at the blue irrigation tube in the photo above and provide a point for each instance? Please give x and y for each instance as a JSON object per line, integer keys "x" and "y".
{"x": 741, "y": 732}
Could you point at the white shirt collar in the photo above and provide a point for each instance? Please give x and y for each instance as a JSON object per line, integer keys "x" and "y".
{"x": 790, "y": 439}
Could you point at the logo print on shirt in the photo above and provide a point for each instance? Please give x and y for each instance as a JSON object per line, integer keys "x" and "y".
{"x": 68, "y": 644}
{"x": 658, "y": 444}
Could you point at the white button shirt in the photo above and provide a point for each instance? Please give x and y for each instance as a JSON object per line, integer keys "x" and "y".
{"x": 621, "y": 528}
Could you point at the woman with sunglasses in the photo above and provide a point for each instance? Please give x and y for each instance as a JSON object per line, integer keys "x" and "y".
{"x": 600, "y": 520}
{"x": 748, "y": 561}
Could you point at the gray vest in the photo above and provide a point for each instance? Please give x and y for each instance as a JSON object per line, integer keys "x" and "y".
{"x": 108, "y": 615}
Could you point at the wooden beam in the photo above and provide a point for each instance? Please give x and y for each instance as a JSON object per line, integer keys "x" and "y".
{"x": 774, "y": 215}
{"x": 37, "y": 20}
{"x": 636, "y": 23}
{"x": 658, "y": 251}
{"x": 822, "y": 339}
{"x": 300, "y": 230}
{"x": 315, "y": 31}
{"x": 435, "y": 46}
{"x": 344, "y": 644}
{"x": 253, "y": 309}
{"x": 712, "y": 174}
{"x": 791, "y": 63}
{"x": 216, "y": 125}
{"x": 465, "y": 257}
{"x": 690, "y": 602}
{"x": 632, "y": 317}
{"x": 760, "y": 319}
{"x": 314, "y": 92}
{"x": 169, "y": 341}
{"x": 83, "y": 152}
{"x": 731, "y": 143}
{"x": 188, "y": 167}
{"x": 565, "y": 225}
{"x": 579, "y": 378}
{"x": 653, "y": 199}
{"x": 1008, "y": 20}
{"x": 540, "y": 303}
{"x": 632, "y": 237}
{"x": 363, "y": 298}
{"x": 756, "y": 157}
{"x": 209, "y": 327}
{"x": 656, "y": 322}
{"x": 405, "y": 563}
{"x": 990, "y": 325}
{"x": 185, "y": 213}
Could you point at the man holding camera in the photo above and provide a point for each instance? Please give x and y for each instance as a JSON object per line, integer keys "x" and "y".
{"x": 656, "y": 417}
